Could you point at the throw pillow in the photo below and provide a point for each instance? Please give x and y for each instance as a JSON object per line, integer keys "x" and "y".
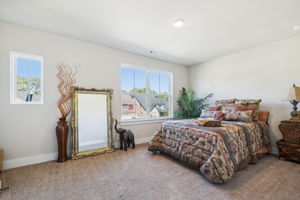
{"x": 229, "y": 108}
{"x": 206, "y": 114}
{"x": 216, "y": 108}
{"x": 248, "y": 101}
{"x": 225, "y": 102}
{"x": 243, "y": 116}
{"x": 255, "y": 108}
{"x": 220, "y": 116}
{"x": 263, "y": 116}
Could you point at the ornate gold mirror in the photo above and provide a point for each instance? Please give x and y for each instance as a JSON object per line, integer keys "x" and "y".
{"x": 92, "y": 122}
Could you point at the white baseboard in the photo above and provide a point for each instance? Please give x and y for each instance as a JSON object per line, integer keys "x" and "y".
{"x": 137, "y": 141}
{"x": 19, "y": 162}
{"x": 143, "y": 140}
{"x": 30, "y": 160}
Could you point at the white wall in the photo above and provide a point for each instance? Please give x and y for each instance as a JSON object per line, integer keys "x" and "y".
{"x": 266, "y": 72}
{"x": 28, "y": 131}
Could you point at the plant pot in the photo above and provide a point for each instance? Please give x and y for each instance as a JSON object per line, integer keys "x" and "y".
{"x": 62, "y": 130}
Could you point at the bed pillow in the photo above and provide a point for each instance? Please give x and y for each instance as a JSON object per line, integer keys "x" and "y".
{"x": 216, "y": 108}
{"x": 243, "y": 108}
{"x": 229, "y": 108}
{"x": 248, "y": 101}
{"x": 242, "y": 116}
{"x": 220, "y": 116}
{"x": 246, "y": 108}
{"x": 263, "y": 116}
{"x": 225, "y": 102}
{"x": 206, "y": 114}
{"x": 253, "y": 107}
{"x": 251, "y": 103}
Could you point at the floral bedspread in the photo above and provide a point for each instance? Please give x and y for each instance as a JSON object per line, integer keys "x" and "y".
{"x": 215, "y": 151}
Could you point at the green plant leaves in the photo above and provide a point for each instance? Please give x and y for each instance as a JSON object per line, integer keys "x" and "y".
{"x": 189, "y": 106}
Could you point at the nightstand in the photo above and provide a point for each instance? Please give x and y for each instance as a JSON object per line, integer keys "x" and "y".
{"x": 289, "y": 146}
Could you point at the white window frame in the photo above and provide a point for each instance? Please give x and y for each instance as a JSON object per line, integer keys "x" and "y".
{"x": 13, "y": 73}
{"x": 148, "y": 119}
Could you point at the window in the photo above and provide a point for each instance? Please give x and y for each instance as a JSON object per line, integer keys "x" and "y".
{"x": 26, "y": 81}
{"x": 146, "y": 93}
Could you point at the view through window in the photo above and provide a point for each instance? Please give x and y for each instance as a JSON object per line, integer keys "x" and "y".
{"x": 145, "y": 94}
{"x": 26, "y": 78}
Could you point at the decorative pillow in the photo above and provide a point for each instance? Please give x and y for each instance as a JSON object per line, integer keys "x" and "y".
{"x": 225, "y": 102}
{"x": 243, "y": 108}
{"x": 255, "y": 108}
{"x": 246, "y": 108}
{"x": 242, "y": 116}
{"x": 248, "y": 101}
{"x": 229, "y": 108}
{"x": 216, "y": 108}
{"x": 231, "y": 116}
{"x": 263, "y": 116}
{"x": 245, "y": 116}
{"x": 220, "y": 116}
{"x": 206, "y": 114}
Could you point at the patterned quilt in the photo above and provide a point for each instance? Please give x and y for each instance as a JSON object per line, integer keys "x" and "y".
{"x": 216, "y": 151}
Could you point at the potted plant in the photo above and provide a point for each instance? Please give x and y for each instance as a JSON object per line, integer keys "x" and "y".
{"x": 189, "y": 106}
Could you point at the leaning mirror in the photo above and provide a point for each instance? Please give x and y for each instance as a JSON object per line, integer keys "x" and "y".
{"x": 92, "y": 122}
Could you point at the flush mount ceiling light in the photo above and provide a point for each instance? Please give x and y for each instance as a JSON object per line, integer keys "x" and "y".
{"x": 178, "y": 23}
{"x": 297, "y": 28}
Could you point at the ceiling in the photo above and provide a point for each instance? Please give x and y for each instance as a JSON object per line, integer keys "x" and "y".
{"x": 212, "y": 28}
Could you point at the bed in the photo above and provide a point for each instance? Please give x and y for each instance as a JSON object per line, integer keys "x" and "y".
{"x": 218, "y": 152}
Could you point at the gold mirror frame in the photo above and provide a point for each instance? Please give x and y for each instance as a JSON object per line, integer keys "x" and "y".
{"x": 108, "y": 92}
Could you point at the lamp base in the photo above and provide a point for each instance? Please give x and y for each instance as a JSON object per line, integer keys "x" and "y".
{"x": 294, "y": 113}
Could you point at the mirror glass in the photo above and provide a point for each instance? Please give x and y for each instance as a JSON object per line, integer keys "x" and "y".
{"x": 92, "y": 122}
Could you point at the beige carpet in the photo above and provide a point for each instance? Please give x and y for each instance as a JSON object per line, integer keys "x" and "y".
{"x": 139, "y": 175}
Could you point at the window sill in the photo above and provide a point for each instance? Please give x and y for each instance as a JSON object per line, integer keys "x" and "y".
{"x": 143, "y": 121}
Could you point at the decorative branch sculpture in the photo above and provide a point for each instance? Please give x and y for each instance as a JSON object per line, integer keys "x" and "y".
{"x": 66, "y": 77}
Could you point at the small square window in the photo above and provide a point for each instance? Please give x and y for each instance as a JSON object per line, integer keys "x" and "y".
{"x": 26, "y": 79}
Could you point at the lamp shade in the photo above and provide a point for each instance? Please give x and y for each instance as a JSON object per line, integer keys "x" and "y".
{"x": 294, "y": 94}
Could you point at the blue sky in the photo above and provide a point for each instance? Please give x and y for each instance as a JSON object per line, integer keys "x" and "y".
{"x": 28, "y": 68}
{"x": 137, "y": 78}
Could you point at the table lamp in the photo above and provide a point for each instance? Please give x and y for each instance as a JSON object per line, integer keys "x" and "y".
{"x": 294, "y": 98}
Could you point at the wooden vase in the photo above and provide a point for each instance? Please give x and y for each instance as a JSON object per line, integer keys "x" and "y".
{"x": 62, "y": 130}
